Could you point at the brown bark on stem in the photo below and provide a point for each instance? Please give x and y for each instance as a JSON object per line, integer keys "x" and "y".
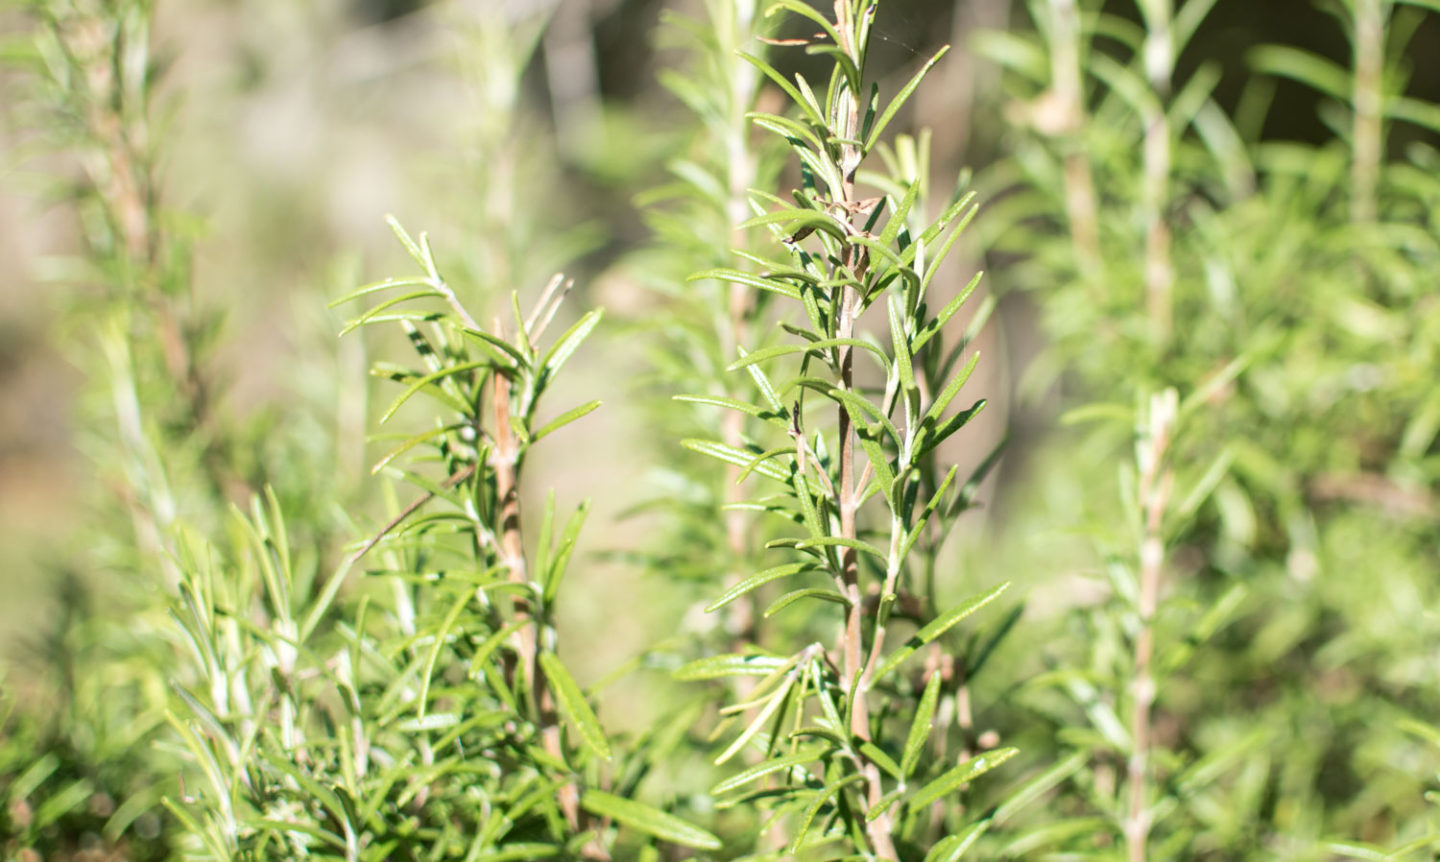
{"x": 526, "y": 640}
{"x": 878, "y": 831}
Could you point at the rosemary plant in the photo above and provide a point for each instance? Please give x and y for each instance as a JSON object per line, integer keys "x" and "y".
{"x": 1169, "y": 243}
{"x": 434, "y": 714}
{"x": 836, "y": 764}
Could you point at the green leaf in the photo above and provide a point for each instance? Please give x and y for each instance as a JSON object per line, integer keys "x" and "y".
{"x": 796, "y": 217}
{"x": 757, "y": 580}
{"x": 765, "y": 386}
{"x": 794, "y": 596}
{"x": 414, "y": 441}
{"x": 566, "y": 344}
{"x": 405, "y": 240}
{"x": 564, "y": 419}
{"x": 1311, "y": 69}
{"x": 922, "y": 725}
{"x": 374, "y": 314}
{"x": 555, "y": 571}
{"x": 497, "y": 343}
{"x": 899, "y": 100}
{"x": 1039, "y": 786}
{"x": 929, "y": 330}
{"x": 785, "y": 127}
{"x": 937, "y": 409}
{"x": 813, "y": 809}
{"x": 573, "y": 704}
{"x": 651, "y": 821}
{"x": 901, "y": 344}
{"x": 776, "y": 700}
{"x": 839, "y": 542}
{"x": 962, "y": 774}
{"x": 738, "y": 457}
{"x": 862, "y": 412}
{"x": 764, "y": 768}
{"x": 439, "y": 638}
{"x": 384, "y": 284}
{"x": 768, "y": 353}
{"x": 937, "y": 627}
{"x": 902, "y": 212}
{"x": 812, "y": 111}
{"x": 1357, "y": 850}
{"x": 877, "y": 756}
{"x": 427, "y": 382}
{"x": 923, "y": 518}
{"x": 774, "y": 285}
{"x": 953, "y": 847}
{"x": 731, "y": 664}
{"x": 774, "y": 418}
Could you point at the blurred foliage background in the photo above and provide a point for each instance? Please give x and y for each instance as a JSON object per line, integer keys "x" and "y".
{"x": 1301, "y": 328}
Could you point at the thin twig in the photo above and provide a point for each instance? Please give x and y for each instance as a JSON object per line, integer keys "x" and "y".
{"x": 454, "y": 479}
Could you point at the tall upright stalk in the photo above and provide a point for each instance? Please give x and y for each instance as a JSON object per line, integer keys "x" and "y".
{"x": 1156, "y": 480}
{"x": 846, "y": 254}
{"x": 1068, "y": 94}
{"x": 1159, "y": 66}
{"x": 1369, "y": 47}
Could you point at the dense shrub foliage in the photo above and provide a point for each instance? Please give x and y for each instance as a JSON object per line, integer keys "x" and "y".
{"x": 1155, "y": 578}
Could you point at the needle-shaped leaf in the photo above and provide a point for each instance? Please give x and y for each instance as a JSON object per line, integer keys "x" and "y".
{"x": 794, "y": 596}
{"x": 962, "y": 774}
{"x": 566, "y": 344}
{"x": 769, "y": 353}
{"x": 877, "y": 756}
{"x": 920, "y": 521}
{"x": 429, "y": 381}
{"x": 929, "y": 330}
{"x": 438, "y": 640}
{"x": 942, "y": 402}
{"x": 495, "y": 343}
{"x": 807, "y": 819}
{"x": 901, "y": 344}
{"x": 731, "y": 664}
{"x": 767, "y": 767}
{"x": 899, "y": 101}
{"x": 738, "y": 457}
{"x": 774, "y": 418}
{"x": 412, "y": 442}
{"x": 902, "y": 212}
{"x": 564, "y": 419}
{"x": 951, "y": 848}
{"x": 922, "y": 725}
{"x": 377, "y": 311}
{"x": 786, "y": 127}
{"x": 776, "y": 700}
{"x": 756, "y": 580}
{"x": 555, "y": 571}
{"x": 383, "y": 284}
{"x": 797, "y": 218}
{"x": 405, "y": 240}
{"x": 812, "y": 110}
{"x": 937, "y": 627}
{"x": 651, "y": 821}
{"x": 772, "y": 284}
{"x": 839, "y": 542}
{"x": 574, "y": 706}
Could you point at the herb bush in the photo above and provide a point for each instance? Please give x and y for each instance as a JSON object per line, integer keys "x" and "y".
{"x": 1191, "y": 619}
